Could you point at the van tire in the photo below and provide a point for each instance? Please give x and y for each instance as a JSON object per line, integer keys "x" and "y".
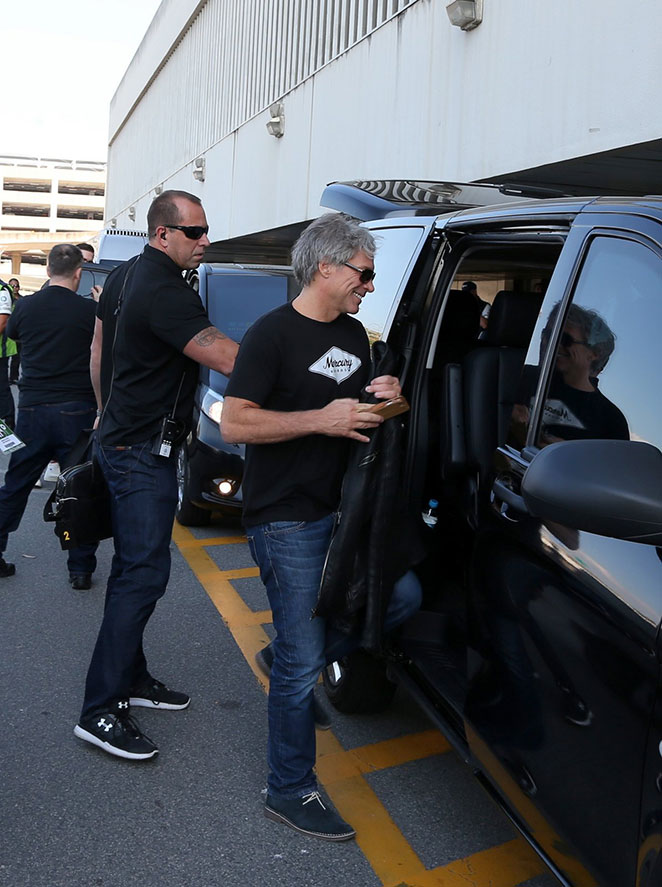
{"x": 187, "y": 514}
{"x": 358, "y": 684}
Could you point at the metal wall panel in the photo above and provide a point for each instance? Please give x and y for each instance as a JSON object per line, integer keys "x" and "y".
{"x": 235, "y": 59}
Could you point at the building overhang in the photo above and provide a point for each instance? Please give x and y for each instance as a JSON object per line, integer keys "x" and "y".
{"x": 631, "y": 170}
{"x": 270, "y": 247}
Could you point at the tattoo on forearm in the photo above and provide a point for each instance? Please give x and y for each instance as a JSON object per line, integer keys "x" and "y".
{"x": 208, "y": 336}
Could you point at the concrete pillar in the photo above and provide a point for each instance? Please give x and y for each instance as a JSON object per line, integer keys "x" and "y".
{"x": 55, "y": 186}
{"x": 15, "y": 262}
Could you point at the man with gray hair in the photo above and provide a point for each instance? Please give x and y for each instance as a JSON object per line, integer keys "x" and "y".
{"x": 293, "y": 398}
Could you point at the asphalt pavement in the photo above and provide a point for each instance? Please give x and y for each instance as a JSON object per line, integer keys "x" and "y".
{"x": 73, "y": 816}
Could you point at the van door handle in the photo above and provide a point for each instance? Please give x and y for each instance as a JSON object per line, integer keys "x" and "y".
{"x": 501, "y": 492}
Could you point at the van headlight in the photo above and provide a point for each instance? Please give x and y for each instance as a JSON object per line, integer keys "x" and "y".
{"x": 212, "y": 405}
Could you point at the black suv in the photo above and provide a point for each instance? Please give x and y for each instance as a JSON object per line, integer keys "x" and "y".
{"x": 533, "y": 453}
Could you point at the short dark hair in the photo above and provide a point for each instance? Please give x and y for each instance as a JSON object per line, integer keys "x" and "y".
{"x": 164, "y": 210}
{"x": 86, "y": 246}
{"x": 12, "y": 279}
{"x": 64, "y": 259}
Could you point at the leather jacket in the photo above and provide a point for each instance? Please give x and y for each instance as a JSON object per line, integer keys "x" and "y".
{"x": 374, "y": 543}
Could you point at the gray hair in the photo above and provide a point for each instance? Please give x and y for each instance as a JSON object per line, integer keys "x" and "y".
{"x": 333, "y": 238}
{"x": 595, "y": 332}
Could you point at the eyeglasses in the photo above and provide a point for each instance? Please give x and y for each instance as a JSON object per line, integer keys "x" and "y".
{"x": 193, "y": 232}
{"x": 567, "y": 341}
{"x": 365, "y": 274}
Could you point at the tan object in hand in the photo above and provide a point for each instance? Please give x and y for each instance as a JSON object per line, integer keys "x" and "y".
{"x": 386, "y": 408}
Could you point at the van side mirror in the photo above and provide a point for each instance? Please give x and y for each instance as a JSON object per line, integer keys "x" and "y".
{"x": 609, "y": 487}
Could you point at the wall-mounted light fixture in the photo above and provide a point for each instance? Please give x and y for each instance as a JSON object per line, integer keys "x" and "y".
{"x": 132, "y": 213}
{"x": 158, "y": 190}
{"x": 199, "y": 168}
{"x": 465, "y": 14}
{"x": 276, "y": 126}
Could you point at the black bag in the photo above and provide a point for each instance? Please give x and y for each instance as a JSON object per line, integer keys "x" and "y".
{"x": 80, "y": 506}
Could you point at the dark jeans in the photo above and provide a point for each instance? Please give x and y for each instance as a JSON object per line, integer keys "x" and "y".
{"x": 143, "y": 490}
{"x": 6, "y": 398}
{"x": 291, "y": 555}
{"x": 48, "y": 431}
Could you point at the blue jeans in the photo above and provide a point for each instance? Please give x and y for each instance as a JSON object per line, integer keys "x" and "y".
{"x": 291, "y": 555}
{"x": 48, "y": 431}
{"x": 143, "y": 492}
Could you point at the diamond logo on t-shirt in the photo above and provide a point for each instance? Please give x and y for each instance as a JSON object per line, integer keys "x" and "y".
{"x": 336, "y": 364}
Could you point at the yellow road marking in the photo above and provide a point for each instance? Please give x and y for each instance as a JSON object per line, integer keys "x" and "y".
{"x": 342, "y": 771}
{"x": 380, "y": 755}
{"x": 192, "y": 542}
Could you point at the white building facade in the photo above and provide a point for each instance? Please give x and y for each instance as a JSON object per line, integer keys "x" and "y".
{"x": 558, "y": 92}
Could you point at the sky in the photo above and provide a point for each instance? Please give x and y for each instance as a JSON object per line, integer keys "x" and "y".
{"x": 61, "y": 64}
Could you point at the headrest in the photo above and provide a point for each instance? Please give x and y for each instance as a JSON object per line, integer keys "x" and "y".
{"x": 512, "y": 318}
{"x": 461, "y": 316}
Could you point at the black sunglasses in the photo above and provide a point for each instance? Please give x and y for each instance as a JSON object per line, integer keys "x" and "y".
{"x": 567, "y": 340}
{"x": 193, "y": 232}
{"x": 365, "y": 274}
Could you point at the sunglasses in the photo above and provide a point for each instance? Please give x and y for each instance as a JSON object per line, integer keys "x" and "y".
{"x": 193, "y": 232}
{"x": 365, "y": 274}
{"x": 567, "y": 340}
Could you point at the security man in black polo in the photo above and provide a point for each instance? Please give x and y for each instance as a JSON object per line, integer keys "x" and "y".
{"x": 56, "y": 401}
{"x": 150, "y": 331}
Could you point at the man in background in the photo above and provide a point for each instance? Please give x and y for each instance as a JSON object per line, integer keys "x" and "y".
{"x": 7, "y": 350}
{"x": 56, "y": 400}
{"x": 87, "y": 251}
{"x": 15, "y": 359}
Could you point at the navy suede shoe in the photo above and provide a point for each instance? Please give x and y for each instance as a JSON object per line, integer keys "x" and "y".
{"x": 309, "y": 815}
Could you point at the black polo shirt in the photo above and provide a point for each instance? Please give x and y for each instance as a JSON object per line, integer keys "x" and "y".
{"x": 144, "y": 373}
{"x": 55, "y": 328}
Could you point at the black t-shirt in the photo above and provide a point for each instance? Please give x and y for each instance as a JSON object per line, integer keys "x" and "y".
{"x": 288, "y": 362}
{"x": 571, "y": 414}
{"x": 55, "y": 328}
{"x": 142, "y": 348}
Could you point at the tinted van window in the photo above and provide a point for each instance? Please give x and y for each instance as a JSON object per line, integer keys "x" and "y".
{"x": 607, "y": 361}
{"x": 235, "y": 300}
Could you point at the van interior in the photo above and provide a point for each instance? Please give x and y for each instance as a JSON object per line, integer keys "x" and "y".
{"x": 466, "y": 379}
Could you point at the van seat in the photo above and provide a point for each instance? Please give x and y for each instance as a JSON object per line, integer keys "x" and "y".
{"x": 491, "y": 374}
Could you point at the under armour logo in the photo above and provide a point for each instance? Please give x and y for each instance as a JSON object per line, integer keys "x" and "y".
{"x": 105, "y": 725}
{"x": 122, "y": 704}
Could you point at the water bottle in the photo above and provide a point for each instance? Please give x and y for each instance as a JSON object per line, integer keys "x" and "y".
{"x": 430, "y": 516}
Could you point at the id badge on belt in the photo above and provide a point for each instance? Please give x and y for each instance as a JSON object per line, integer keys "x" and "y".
{"x": 167, "y": 437}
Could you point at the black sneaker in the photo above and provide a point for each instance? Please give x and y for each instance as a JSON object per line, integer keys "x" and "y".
{"x": 116, "y": 733}
{"x": 154, "y": 694}
{"x": 6, "y": 569}
{"x": 80, "y": 581}
{"x": 309, "y": 815}
{"x": 264, "y": 660}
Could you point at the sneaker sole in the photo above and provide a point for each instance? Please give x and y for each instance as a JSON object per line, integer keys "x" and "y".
{"x": 325, "y": 836}
{"x": 81, "y": 733}
{"x": 142, "y": 702}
